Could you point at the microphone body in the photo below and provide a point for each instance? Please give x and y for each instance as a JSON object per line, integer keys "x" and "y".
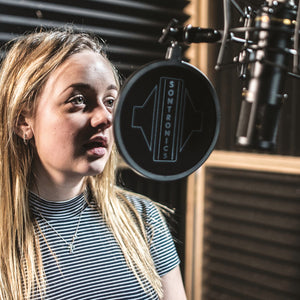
{"x": 268, "y": 61}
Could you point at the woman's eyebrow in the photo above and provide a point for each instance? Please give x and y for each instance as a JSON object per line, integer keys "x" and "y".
{"x": 83, "y": 85}
{"x": 79, "y": 85}
{"x": 86, "y": 86}
{"x": 112, "y": 87}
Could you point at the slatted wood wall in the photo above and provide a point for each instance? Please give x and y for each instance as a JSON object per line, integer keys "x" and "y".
{"x": 251, "y": 237}
{"x": 245, "y": 237}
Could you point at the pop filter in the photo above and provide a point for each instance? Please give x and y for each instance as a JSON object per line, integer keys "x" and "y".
{"x": 167, "y": 120}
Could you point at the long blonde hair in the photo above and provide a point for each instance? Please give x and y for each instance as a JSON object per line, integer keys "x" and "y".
{"x": 28, "y": 63}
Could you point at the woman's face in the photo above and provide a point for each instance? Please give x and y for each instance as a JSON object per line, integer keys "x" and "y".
{"x": 72, "y": 126}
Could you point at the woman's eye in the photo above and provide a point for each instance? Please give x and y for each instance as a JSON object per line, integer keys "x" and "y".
{"x": 110, "y": 102}
{"x": 77, "y": 100}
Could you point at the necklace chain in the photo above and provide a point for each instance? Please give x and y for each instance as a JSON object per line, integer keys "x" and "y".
{"x": 69, "y": 244}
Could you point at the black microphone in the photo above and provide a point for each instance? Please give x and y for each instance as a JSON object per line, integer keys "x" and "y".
{"x": 264, "y": 93}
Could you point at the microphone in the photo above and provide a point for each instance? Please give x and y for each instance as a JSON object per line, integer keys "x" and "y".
{"x": 263, "y": 94}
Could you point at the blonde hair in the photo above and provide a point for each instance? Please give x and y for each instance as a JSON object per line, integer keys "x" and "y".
{"x": 24, "y": 71}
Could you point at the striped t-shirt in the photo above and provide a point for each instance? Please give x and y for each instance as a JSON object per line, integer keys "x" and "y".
{"x": 96, "y": 269}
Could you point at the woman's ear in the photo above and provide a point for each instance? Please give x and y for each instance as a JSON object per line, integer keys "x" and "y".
{"x": 23, "y": 128}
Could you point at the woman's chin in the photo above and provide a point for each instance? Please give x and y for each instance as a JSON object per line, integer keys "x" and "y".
{"x": 94, "y": 169}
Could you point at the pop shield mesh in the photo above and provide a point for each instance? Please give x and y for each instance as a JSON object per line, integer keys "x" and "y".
{"x": 167, "y": 120}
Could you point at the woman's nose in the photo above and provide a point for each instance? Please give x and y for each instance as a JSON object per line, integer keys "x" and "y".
{"x": 101, "y": 117}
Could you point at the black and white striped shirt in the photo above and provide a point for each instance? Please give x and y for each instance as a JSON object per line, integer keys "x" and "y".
{"x": 96, "y": 269}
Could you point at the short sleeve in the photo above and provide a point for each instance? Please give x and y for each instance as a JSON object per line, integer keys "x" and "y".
{"x": 162, "y": 247}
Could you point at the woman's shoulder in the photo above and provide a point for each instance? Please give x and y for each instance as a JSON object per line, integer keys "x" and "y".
{"x": 152, "y": 212}
{"x": 141, "y": 203}
{"x": 159, "y": 237}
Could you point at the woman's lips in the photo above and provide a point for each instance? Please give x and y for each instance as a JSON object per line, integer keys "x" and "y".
{"x": 97, "y": 151}
{"x": 96, "y": 147}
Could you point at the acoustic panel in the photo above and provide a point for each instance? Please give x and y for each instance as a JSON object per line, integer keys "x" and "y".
{"x": 251, "y": 235}
{"x": 130, "y": 28}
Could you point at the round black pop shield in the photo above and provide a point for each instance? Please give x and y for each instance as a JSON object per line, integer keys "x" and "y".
{"x": 167, "y": 120}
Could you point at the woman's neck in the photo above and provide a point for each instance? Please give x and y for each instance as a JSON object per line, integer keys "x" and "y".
{"x": 57, "y": 194}
{"x": 55, "y": 185}
{"x": 57, "y": 191}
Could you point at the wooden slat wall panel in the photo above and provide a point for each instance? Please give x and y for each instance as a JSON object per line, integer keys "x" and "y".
{"x": 251, "y": 219}
{"x": 251, "y": 235}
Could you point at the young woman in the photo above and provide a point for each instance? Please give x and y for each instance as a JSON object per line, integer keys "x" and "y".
{"x": 66, "y": 231}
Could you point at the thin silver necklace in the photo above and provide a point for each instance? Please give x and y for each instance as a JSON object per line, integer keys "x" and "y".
{"x": 70, "y": 245}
